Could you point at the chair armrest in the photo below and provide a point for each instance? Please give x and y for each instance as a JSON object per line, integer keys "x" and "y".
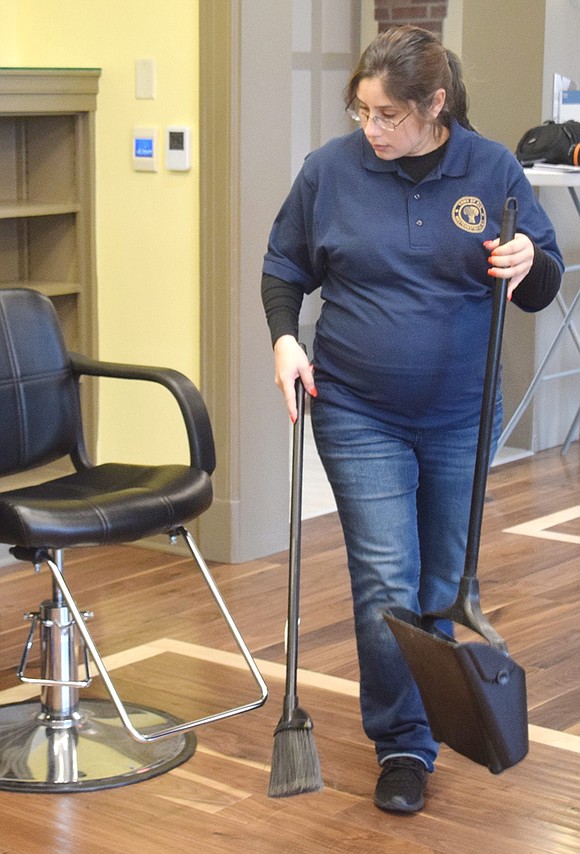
{"x": 191, "y": 404}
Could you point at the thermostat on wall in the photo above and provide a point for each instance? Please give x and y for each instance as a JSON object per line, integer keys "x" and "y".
{"x": 177, "y": 148}
{"x": 145, "y": 147}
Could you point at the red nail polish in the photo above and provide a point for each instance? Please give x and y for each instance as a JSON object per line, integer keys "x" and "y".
{"x": 314, "y": 392}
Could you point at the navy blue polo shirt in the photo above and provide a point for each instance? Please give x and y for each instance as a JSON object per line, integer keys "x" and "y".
{"x": 403, "y": 272}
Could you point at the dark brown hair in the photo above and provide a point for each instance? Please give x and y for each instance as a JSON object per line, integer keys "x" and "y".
{"x": 412, "y": 65}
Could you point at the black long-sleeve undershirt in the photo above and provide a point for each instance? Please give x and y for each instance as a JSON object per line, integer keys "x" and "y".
{"x": 541, "y": 285}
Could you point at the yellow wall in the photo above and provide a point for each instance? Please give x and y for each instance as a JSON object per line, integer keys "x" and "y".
{"x": 147, "y": 224}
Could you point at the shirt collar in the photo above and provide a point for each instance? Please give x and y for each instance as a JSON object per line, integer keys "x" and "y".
{"x": 455, "y": 160}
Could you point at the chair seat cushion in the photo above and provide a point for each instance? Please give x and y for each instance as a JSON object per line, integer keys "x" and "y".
{"x": 110, "y": 503}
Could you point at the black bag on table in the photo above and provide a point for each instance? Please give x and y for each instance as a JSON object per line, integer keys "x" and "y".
{"x": 550, "y": 143}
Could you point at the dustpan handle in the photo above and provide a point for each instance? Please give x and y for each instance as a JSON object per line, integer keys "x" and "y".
{"x": 507, "y": 232}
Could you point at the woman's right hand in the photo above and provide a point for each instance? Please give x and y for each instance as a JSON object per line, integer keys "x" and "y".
{"x": 291, "y": 363}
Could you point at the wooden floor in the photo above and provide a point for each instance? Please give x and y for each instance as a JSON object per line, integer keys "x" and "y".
{"x": 158, "y": 623}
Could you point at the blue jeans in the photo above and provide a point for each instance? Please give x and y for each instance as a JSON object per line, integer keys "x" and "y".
{"x": 403, "y": 497}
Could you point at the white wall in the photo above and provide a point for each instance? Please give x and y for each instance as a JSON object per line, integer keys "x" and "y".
{"x": 556, "y": 401}
{"x": 510, "y": 52}
{"x": 453, "y": 26}
{"x": 368, "y": 25}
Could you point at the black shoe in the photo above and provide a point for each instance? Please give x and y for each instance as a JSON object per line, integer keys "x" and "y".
{"x": 401, "y": 784}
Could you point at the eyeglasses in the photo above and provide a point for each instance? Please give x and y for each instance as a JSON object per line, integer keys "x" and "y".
{"x": 361, "y": 117}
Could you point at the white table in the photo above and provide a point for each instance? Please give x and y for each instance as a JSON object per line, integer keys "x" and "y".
{"x": 545, "y": 177}
{"x": 542, "y": 176}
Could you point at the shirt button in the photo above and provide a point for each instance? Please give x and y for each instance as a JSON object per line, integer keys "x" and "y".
{"x": 419, "y": 222}
{"x": 417, "y": 196}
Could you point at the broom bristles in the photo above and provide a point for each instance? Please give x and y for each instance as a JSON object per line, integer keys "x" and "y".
{"x": 295, "y": 765}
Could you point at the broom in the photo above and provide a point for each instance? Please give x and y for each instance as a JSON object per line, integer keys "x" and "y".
{"x": 295, "y": 766}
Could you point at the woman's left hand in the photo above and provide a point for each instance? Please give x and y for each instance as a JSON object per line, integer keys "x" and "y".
{"x": 511, "y": 260}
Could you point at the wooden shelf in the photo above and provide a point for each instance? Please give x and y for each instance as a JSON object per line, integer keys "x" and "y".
{"x": 16, "y": 210}
{"x": 47, "y": 213}
{"x": 49, "y": 289}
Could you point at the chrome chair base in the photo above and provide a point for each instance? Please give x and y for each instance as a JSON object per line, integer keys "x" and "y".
{"x": 61, "y": 743}
{"x": 87, "y": 751}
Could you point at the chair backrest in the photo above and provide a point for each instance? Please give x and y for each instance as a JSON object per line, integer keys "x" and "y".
{"x": 39, "y": 408}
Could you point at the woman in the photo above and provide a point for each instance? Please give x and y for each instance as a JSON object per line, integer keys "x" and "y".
{"x": 398, "y": 224}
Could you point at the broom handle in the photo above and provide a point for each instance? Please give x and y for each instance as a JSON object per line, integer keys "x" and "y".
{"x": 291, "y": 698}
{"x": 507, "y": 232}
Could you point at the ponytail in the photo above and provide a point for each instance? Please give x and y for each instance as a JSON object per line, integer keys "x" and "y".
{"x": 457, "y": 102}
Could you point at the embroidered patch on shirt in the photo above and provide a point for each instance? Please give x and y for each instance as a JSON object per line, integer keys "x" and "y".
{"x": 469, "y": 214}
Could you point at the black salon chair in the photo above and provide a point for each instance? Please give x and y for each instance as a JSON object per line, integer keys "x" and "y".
{"x": 60, "y": 742}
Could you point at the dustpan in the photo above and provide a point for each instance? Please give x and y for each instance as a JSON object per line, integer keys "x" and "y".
{"x": 474, "y": 693}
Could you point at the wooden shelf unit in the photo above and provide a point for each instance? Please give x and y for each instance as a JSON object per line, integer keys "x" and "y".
{"x": 47, "y": 196}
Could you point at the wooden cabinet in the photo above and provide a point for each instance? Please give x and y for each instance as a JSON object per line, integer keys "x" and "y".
{"x": 47, "y": 196}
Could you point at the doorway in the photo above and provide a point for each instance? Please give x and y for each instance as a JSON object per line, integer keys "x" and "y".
{"x": 271, "y": 81}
